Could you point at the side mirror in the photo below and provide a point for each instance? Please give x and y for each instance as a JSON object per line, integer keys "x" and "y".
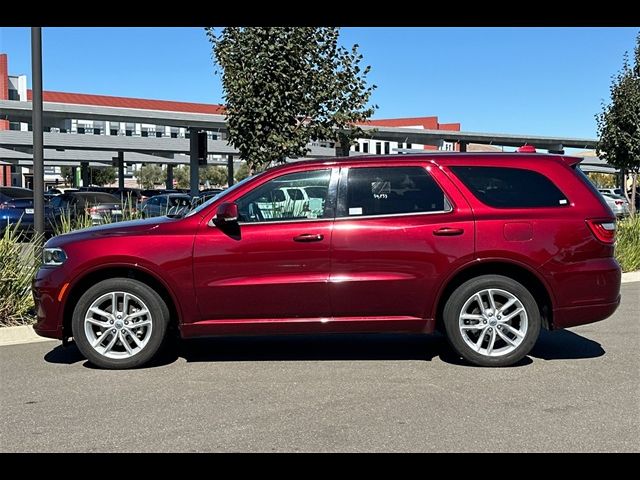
{"x": 226, "y": 214}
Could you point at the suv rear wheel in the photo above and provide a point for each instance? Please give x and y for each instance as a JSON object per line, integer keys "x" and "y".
{"x": 492, "y": 321}
{"x": 120, "y": 323}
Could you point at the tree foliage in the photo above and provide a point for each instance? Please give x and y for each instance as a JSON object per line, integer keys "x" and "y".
{"x": 216, "y": 176}
{"x": 619, "y": 121}
{"x": 102, "y": 175}
{"x": 285, "y": 86}
{"x": 67, "y": 175}
{"x": 150, "y": 175}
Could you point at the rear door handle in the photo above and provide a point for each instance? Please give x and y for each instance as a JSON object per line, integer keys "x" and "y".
{"x": 448, "y": 231}
{"x": 308, "y": 237}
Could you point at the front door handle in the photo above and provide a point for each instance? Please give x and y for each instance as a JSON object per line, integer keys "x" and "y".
{"x": 308, "y": 237}
{"x": 448, "y": 231}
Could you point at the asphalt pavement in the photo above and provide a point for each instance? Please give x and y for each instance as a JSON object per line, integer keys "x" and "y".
{"x": 578, "y": 391}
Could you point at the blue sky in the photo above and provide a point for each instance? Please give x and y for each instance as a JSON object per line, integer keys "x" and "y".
{"x": 539, "y": 81}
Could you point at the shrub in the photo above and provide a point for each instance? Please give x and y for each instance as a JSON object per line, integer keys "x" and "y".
{"x": 19, "y": 261}
{"x": 628, "y": 244}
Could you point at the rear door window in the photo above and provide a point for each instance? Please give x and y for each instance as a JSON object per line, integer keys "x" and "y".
{"x": 392, "y": 190}
{"x": 504, "y": 187}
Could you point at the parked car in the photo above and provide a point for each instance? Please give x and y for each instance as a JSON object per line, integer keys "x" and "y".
{"x": 98, "y": 205}
{"x": 486, "y": 248}
{"x": 617, "y": 203}
{"x": 170, "y": 204}
{"x": 204, "y": 195}
{"x": 16, "y": 206}
{"x": 613, "y": 191}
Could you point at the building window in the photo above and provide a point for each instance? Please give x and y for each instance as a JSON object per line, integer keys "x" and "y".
{"x": 174, "y": 134}
{"x": 128, "y": 133}
{"x": 97, "y": 131}
{"x": 378, "y": 148}
{"x": 387, "y": 148}
{"x": 13, "y": 94}
{"x": 145, "y": 133}
{"x": 114, "y": 131}
{"x": 365, "y": 147}
{"x": 14, "y": 125}
{"x": 80, "y": 129}
{"x": 409, "y": 146}
{"x": 356, "y": 147}
{"x": 158, "y": 134}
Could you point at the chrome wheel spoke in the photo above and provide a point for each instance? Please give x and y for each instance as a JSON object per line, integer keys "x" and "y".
{"x": 507, "y": 305}
{"x": 480, "y": 303}
{"x": 478, "y": 344}
{"x": 111, "y": 343}
{"x": 137, "y": 314}
{"x": 492, "y": 302}
{"x": 125, "y": 343}
{"x": 477, "y": 326}
{"x": 492, "y": 341}
{"x": 134, "y": 337}
{"x": 99, "y": 323}
{"x": 513, "y": 314}
{"x": 100, "y": 312}
{"x": 125, "y": 304}
{"x": 506, "y": 338}
{"x": 114, "y": 303}
{"x": 100, "y": 339}
{"x": 471, "y": 316}
{"x": 517, "y": 333}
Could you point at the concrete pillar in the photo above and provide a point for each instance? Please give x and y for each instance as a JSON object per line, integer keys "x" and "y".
{"x": 230, "y": 170}
{"x": 74, "y": 177}
{"x": 463, "y": 146}
{"x": 194, "y": 165}
{"x": 121, "y": 170}
{"x": 84, "y": 173}
{"x": 169, "y": 177}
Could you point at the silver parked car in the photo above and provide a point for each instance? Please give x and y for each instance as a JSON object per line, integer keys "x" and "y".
{"x": 617, "y": 203}
{"x": 168, "y": 204}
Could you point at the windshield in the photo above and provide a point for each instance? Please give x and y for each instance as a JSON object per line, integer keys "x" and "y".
{"x": 222, "y": 194}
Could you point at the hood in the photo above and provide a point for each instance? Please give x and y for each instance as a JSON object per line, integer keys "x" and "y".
{"x": 116, "y": 229}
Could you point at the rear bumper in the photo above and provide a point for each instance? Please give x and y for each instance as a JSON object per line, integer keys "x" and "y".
{"x": 584, "y": 292}
{"x": 573, "y": 316}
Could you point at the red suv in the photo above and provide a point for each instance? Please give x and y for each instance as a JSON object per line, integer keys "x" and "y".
{"x": 487, "y": 248}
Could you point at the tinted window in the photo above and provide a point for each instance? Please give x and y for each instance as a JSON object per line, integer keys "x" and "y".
{"x": 510, "y": 187}
{"x": 98, "y": 198}
{"x": 269, "y": 202}
{"x": 387, "y": 190}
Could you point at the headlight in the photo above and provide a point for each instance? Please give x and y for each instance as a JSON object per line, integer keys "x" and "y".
{"x": 53, "y": 256}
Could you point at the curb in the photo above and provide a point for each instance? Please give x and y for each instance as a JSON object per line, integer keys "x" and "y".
{"x": 631, "y": 277}
{"x": 25, "y": 333}
{"x": 20, "y": 334}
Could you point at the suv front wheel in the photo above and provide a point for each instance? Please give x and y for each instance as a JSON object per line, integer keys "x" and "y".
{"x": 492, "y": 321}
{"x": 119, "y": 323}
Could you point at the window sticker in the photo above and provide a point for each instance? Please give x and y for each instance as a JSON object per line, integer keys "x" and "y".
{"x": 563, "y": 202}
{"x": 380, "y": 189}
{"x": 355, "y": 211}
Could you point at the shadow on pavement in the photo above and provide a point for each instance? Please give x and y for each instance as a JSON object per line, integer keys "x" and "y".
{"x": 560, "y": 345}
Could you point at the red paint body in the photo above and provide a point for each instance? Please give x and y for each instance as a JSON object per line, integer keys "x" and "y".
{"x": 367, "y": 274}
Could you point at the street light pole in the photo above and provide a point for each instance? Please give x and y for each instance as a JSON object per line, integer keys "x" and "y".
{"x": 36, "y": 121}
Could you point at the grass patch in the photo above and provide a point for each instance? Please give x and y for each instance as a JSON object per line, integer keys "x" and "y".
{"x": 628, "y": 244}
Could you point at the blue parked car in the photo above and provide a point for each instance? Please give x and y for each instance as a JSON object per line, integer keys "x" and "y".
{"x": 16, "y": 205}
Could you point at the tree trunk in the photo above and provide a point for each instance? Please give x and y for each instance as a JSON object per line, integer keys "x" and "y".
{"x": 634, "y": 183}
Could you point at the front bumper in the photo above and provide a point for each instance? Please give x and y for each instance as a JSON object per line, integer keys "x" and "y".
{"x": 46, "y": 289}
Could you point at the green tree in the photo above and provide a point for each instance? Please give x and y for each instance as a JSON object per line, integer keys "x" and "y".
{"x": 217, "y": 176}
{"x": 150, "y": 175}
{"x": 619, "y": 122}
{"x": 181, "y": 176}
{"x": 602, "y": 180}
{"x": 242, "y": 172}
{"x": 102, "y": 175}
{"x": 67, "y": 175}
{"x": 285, "y": 86}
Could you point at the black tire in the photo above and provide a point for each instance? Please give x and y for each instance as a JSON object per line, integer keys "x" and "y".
{"x": 159, "y": 318}
{"x": 453, "y": 310}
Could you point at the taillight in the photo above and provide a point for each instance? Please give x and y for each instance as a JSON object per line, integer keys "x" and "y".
{"x": 91, "y": 210}
{"x": 603, "y": 230}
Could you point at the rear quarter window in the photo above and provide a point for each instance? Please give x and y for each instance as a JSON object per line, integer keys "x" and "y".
{"x": 503, "y": 187}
